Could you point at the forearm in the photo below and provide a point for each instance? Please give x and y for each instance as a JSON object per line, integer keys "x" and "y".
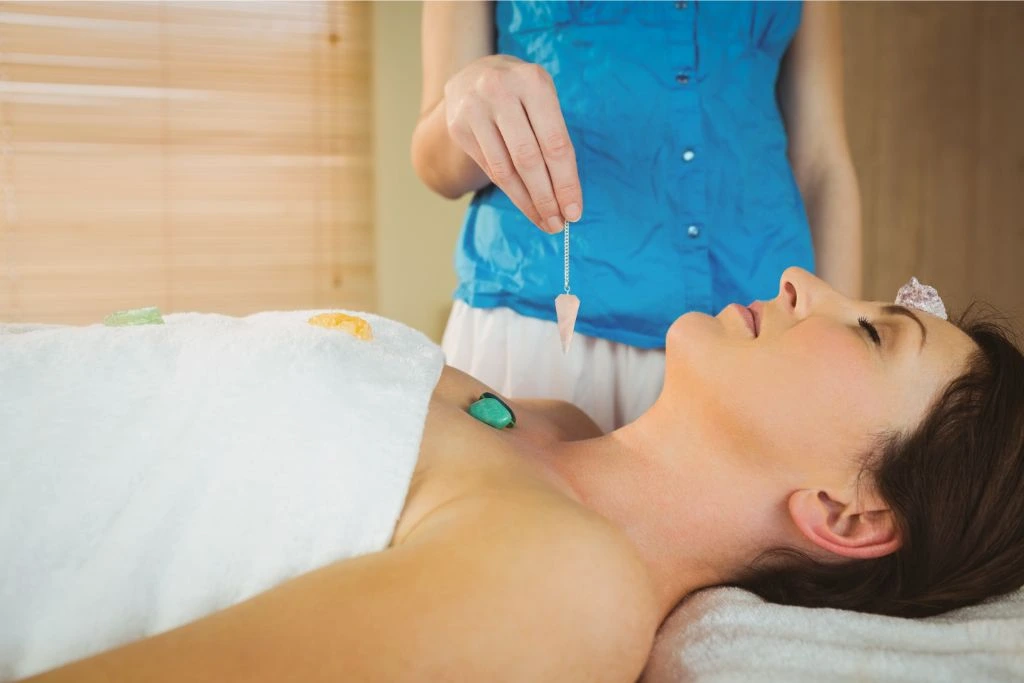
{"x": 339, "y": 623}
{"x": 454, "y": 35}
{"x": 505, "y": 585}
{"x": 439, "y": 161}
{"x": 832, "y": 200}
{"x": 810, "y": 92}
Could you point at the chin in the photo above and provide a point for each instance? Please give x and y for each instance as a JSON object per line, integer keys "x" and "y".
{"x": 689, "y": 324}
{"x": 690, "y": 334}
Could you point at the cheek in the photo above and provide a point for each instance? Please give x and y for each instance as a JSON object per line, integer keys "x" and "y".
{"x": 831, "y": 360}
{"x": 813, "y": 393}
{"x": 810, "y": 399}
{"x": 833, "y": 364}
{"x": 833, "y": 400}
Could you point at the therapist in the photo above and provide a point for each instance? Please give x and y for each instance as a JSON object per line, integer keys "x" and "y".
{"x": 699, "y": 149}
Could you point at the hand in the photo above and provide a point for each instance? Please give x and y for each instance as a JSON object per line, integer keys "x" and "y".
{"x": 504, "y": 113}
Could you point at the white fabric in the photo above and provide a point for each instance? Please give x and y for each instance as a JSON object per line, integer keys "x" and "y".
{"x": 726, "y": 634}
{"x": 151, "y": 475}
{"x": 521, "y": 357}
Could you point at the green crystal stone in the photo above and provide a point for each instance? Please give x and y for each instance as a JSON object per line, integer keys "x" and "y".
{"x": 135, "y": 316}
{"x": 492, "y": 411}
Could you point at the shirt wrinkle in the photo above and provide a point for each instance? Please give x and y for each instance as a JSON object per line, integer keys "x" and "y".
{"x": 689, "y": 202}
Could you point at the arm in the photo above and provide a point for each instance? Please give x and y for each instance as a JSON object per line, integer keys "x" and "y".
{"x": 488, "y": 118}
{"x": 454, "y": 34}
{"x": 504, "y": 586}
{"x": 811, "y": 97}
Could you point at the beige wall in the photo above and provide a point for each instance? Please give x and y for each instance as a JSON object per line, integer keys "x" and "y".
{"x": 935, "y": 106}
{"x": 416, "y": 229}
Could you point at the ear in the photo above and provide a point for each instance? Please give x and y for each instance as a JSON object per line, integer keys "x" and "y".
{"x": 861, "y": 532}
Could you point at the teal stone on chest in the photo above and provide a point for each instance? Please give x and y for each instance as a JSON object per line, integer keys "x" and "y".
{"x": 492, "y": 411}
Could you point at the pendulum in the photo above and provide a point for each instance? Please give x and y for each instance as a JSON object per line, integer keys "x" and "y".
{"x": 566, "y": 305}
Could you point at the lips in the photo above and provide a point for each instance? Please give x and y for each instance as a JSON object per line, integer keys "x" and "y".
{"x": 748, "y": 317}
{"x": 756, "y": 313}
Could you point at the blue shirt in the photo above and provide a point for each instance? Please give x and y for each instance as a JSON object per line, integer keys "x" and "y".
{"x": 689, "y": 202}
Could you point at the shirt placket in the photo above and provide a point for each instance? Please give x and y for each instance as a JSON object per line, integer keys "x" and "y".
{"x": 687, "y": 162}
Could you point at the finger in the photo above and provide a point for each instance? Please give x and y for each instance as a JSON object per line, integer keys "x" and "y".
{"x": 476, "y": 134}
{"x": 496, "y": 163}
{"x": 524, "y": 150}
{"x": 545, "y": 115}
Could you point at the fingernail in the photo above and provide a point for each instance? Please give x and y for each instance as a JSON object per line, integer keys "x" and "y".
{"x": 555, "y": 223}
{"x": 572, "y": 212}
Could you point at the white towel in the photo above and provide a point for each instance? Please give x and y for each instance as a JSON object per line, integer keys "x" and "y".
{"x": 726, "y": 634}
{"x": 151, "y": 475}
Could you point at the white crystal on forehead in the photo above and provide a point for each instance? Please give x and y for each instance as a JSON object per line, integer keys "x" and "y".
{"x": 922, "y": 297}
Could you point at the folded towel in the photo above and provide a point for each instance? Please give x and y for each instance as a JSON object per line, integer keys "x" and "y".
{"x": 151, "y": 475}
{"x": 726, "y": 634}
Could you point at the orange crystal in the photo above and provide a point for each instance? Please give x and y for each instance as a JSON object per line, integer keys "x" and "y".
{"x": 355, "y": 326}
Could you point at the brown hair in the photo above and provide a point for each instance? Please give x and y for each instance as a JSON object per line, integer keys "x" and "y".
{"x": 955, "y": 486}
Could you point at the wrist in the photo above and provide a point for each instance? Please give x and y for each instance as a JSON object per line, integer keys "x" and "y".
{"x": 439, "y": 161}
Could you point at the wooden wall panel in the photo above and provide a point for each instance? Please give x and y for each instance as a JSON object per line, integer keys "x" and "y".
{"x": 935, "y": 112}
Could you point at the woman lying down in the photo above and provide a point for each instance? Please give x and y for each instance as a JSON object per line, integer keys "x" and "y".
{"x": 816, "y": 450}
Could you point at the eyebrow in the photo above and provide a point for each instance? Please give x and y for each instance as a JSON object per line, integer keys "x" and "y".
{"x": 893, "y": 309}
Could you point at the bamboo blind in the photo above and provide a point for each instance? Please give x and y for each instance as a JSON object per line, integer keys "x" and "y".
{"x": 206, "y": 156}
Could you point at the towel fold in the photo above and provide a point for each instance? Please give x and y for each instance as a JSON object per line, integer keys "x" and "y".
{"x": 151, "y": 475}
{"x": 726, "y": 634}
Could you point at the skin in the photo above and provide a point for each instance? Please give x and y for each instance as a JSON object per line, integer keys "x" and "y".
{"x": 551, "y": 551}
{"x": 491, "y": 118}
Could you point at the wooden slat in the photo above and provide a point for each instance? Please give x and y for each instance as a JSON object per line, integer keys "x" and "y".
{"x": 192, "y": 155}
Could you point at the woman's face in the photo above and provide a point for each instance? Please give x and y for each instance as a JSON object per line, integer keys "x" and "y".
{"x": 809, "y": 379}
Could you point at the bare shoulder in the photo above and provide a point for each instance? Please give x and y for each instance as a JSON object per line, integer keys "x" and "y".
{"x": 548, "y": 567}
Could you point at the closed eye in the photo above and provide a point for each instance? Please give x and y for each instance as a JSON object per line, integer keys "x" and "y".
{"x": 871, "y": 330}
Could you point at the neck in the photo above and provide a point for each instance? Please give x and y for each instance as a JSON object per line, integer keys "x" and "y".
{"x": 695, "y": 517}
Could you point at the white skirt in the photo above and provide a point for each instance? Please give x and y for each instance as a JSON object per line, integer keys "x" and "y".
{"x": 521, "y": 357}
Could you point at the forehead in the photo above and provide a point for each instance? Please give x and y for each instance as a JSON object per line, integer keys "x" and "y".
{"x": 947, "y": 345}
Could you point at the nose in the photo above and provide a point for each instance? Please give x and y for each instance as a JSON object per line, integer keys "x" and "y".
{"x": 799, "y": 290}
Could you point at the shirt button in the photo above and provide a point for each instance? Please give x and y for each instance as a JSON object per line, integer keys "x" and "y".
{"x": 693, "y": 231}
{"x": 680, "y": 5}
{"x": 682, "y": 78}
{"x": 688, "y": 155}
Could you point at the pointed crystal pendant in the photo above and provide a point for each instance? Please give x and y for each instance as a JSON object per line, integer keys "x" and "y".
{"x": 566, "y": 308}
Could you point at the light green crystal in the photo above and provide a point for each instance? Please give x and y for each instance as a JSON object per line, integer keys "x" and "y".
{"x": 492, "y": 411}
{"x": 136, "y": 316}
